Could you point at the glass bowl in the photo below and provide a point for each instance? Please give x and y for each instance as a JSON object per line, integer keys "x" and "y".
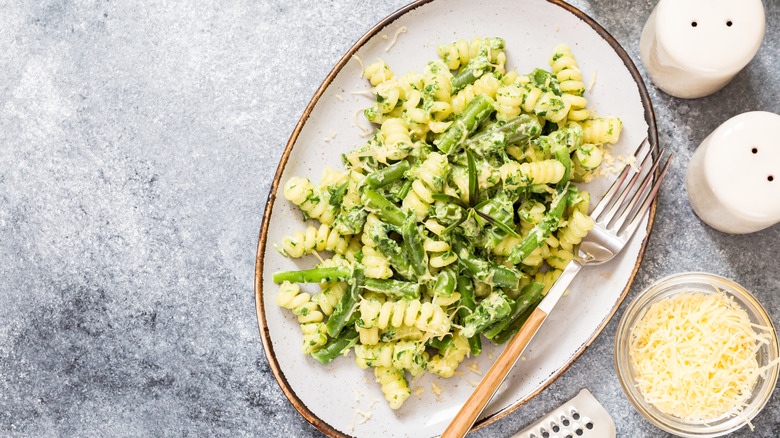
{"x": 705, "y": 283}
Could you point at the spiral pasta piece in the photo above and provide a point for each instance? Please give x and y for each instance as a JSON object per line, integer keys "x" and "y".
{"x": 548, "y": 278}
{"x": 559, "y": 258}
{"x": 394, "y": 385}
{"x": 437, "y": 81}
{"x": 509, "y": 101}
{"x": 396, "y": 142}
{"x": 430, "y": 179}
{"x": 575, "y": 230}
{"x": 516, "y": 175}
{"x": 588, "y": 156}
{"x": 566, "y": 70}
{"x": 290, "y": 297}
{"x": 313, "y": 201}
{"x": 401, "y": 355}
{"x": 426, "y": 316}
{"x": 454, "y": 54}
{"x": 313, "y": 239}
{"x": 315, "y": 335}
{"x": 440, "y": 253}
{"x": 487, "y": 84}
{"x": 601, "y": 130}
{"x": 376, "y": 264}
{"x": 378, "y": 72}
{"x": 368, "y": 336}
{"x": 446, "y": 362}
{"x": 330, "y": 296}
{"x": 537, "y": 256}
{"x": 504, "y": 248}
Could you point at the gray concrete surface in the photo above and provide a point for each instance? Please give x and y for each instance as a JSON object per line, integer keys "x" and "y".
{"x": 137, "y": 145}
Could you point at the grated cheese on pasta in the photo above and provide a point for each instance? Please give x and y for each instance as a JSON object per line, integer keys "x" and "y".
{"x": 366, "y": 131}
{"x": 593, "y": 79}
{"x": 360, "y": 61}
{"x": 365, "y": 415}
{"x": 398, "y": 31}
{"x": 694, "y": 355}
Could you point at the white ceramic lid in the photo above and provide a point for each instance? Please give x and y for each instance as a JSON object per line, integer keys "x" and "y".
{"x": 710, "y": 36}
{"x": 742, "y": 165}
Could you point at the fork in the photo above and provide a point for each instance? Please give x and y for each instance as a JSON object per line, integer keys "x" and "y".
{"x": 616, "y": 218}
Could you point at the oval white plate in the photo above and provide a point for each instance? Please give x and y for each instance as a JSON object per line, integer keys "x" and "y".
{"x": 329, "y": 396}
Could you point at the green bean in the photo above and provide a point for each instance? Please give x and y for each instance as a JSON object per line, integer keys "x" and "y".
{"x": 414, "y": 246}
{"x": 394, "y": 288}
{"x": 475, "y": 68}
{"x": 483, "y": 270}
{"x": 387, "y": 175}
{"x": 342, "y": 312}
{"x": 315, "y": 275}
{"x": 445, "y": 282}
{"x": 512, "y": 328}
{"x": 529, "y": 294}
{"x": 346, "y": 340}
{"x": 542, "y": 230}
{"x": 466, "y": 307}
{"x": 384, "y": 209}
{"x": 491, "y": 310}
{"x": 440, "y": 343}
{"x": 479, "y": 109}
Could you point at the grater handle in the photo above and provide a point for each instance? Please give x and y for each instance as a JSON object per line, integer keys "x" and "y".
{"x": 487, "y": 387}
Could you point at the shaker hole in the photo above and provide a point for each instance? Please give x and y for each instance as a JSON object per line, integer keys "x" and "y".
{"x": 556, "y": 429}
{"x": 589, "y": 425}
{"x": 694, "y": 24}
{"x": 565, "y": 422}
{"x": 729, "y": 23}
{"x": 770, "y": 178}
{"x": 578, "y": 432}
{"x": 754, "y": 150}
{"x": 576, "y": 416}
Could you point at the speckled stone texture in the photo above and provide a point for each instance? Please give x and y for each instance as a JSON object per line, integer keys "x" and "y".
{"x": 137, "y": 145}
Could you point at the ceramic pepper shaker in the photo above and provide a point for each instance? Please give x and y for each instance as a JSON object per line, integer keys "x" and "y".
{"x": 733, "y": 179}
{"x": 693, "y": 48}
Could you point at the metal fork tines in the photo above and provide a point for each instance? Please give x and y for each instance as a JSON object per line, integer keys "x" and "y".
{"x": 621, "y": 211}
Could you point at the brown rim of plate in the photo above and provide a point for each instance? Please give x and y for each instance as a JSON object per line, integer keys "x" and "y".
{"x": 264, "y": 333}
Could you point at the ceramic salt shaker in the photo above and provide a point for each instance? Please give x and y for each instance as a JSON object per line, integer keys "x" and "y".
{"x": 733, "y": 179}
{"x": 693, "y": 48}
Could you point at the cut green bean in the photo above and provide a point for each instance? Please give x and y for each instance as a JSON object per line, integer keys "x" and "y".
{"x": 483, "y": 270}
{"x": 475, "y": 68}
{"x": 342, "y": 312}
{"x": 440, "y": 343}
{"x": 494, "y": 308}
{"x": 465, "y": 123}
{"x": 346, "y": 340}
{"x": 315, "y": 275}
{"x": 445, "y": 283}
{"x": 414, "y": 246}
{"x": 511, "y": 329}
{"x": 541, "y": 231}
{"x": 394, "y": 288}
{"x": 529, "y": 294}
{"x": 384, "y": 209}
{"x": 387, "y": 175}
{"x": 466, "y": 307}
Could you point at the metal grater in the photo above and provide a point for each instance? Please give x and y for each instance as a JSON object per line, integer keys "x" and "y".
{"x": 582, "y": 416}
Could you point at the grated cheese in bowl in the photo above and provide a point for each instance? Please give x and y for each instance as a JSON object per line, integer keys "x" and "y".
{"x": 697, "y": 355}
{"x": 694, "y": 355}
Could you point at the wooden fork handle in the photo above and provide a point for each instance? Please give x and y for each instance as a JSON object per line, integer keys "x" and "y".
{"x": 487, "y": 387}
